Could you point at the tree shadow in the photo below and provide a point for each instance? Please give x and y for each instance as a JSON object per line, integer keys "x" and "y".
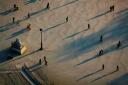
{"x": 123, "y": 80}
{"x": 45, "y": 30}
{"x": 18, "y": 33}
{"x": 104, "y": 76}
{"x": 7, "y": 54}
{"x": 97, "y": 16}
{"x": 89, "y": 75}
{"x": 75, "y": 34}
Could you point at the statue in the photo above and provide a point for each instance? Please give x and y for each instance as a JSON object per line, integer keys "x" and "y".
{"x": 17, "y": 46}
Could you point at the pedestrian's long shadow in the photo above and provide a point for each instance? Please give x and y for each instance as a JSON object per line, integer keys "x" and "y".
{"x": 75, "y": 34}
{"x": 106, "y": 51}
{"x": 45, "y": 30}
{"x": 39, "y": 11}
{"x": 30, "y": 1}
{"x": 103, "y": 76}
{"x": 97, "y": 16}
{"x": 88, "y": 43}
{"x": 12, "y": 25}
{"x": 9, "y": 27}
{"x": 18, "y": 33}
{"x": 7, "y": 11}
{"x": 8, "y": 24}
{"x": 122, "y": 11}
{"x": 33, "y": 66}
{"x": 89, "y": 75}
{"x": 64, "y": 5}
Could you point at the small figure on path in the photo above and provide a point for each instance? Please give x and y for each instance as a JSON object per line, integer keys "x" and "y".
{"x": 118, "y": 44}
{"x": 112, "y": 8}
{"x": 13, "y": 19}
{"x": 15, "y": 7}
{"x": 101, "y": 38}
{"x": 48, "y": 6}
{"x": 88, "y": 26}
{"x": 100, "y": 52}
{"x": 67, "y": 19}
{"x": 45, "y": 61}
{"x": 117, "y": 68}
{"x": 28, "y": 27}
{"x": 103, "y": 67}
{"x": 40, "y": 61}
{"x": 28, "y": 16}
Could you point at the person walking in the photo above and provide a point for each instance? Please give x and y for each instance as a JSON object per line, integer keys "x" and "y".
{"x": 117, "y": 68}
{"x": 118, "y": 44}
{"x": 100, "y": 52}
{"x": 40, "y": 61}
{"x": 112, "y": 8}
{"x": 102, "y": 66}
{"x": 67, "y": 19}
{"x": 13, "y": 19}
{"x": 88, "y": 26}
{"x": 15, "y": 7}
{"x": 28, "y": 27}
{"x": 45, "y": 61}
{"x": 48, "y": 6}
{"x": 101, "y": 38}
{"x": 28, "y": 16}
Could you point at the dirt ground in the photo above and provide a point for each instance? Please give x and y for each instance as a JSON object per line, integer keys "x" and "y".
{"x": 71, "y": 48}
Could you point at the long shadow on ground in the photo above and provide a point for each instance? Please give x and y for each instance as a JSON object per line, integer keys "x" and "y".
{"x": 11, "y": 24}
{"x": 18, "y": 33}
{"x": 8, "y": 27}
{"x": 123, "y": 80}
{"x": 97, "y": 16}
{"x": 7, "y": 11}
{"x": 45, "y": 30}
{"x": 106, "y": 51}
{"x": 7, "y": 54}
{"x": 116, "y": 29}
{"x": 72, "y": 35}
{"x": 103, "y": 76}
{"x": 73, "y": 1}
{"x": 29, "y": 1}
{"x": 15, "y": 58}
{"x": 89, "y": 74}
